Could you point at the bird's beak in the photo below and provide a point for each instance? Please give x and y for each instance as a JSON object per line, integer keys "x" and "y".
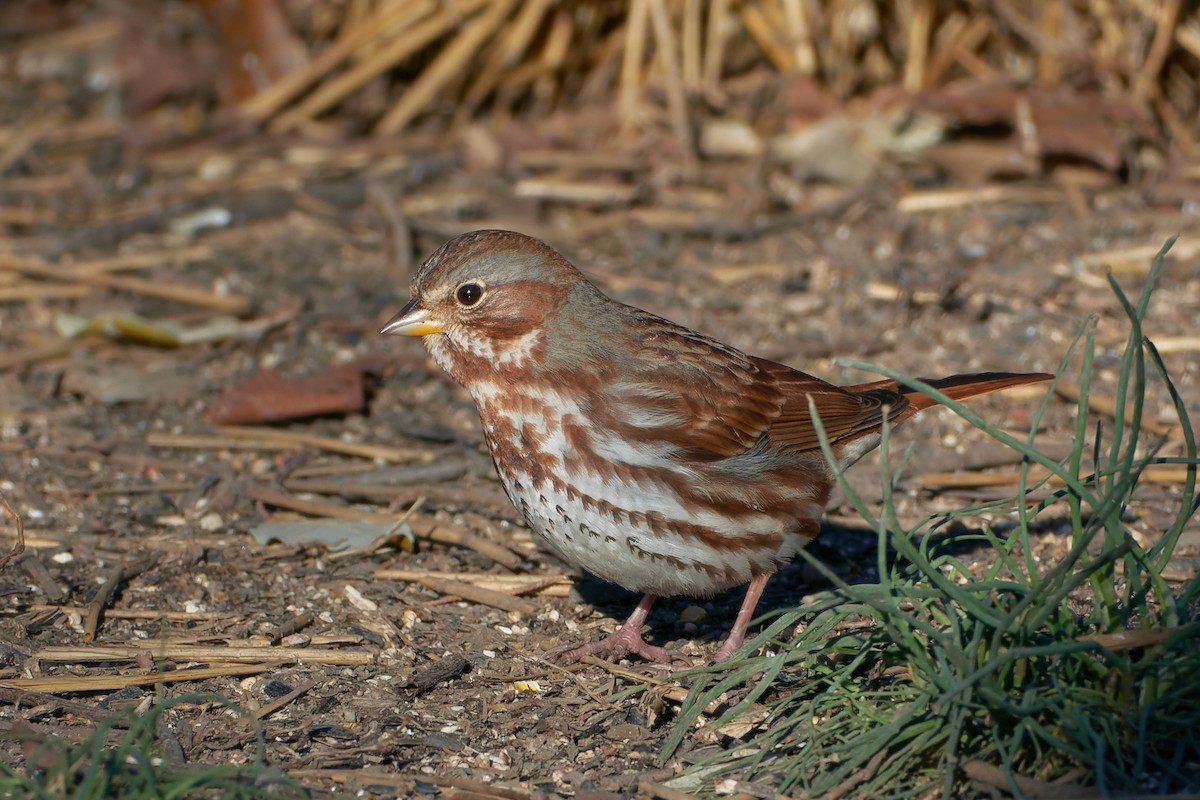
{"x": 412, "y": 321}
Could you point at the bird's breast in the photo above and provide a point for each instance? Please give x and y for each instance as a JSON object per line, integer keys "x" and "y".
{"x": 620, "y": 510}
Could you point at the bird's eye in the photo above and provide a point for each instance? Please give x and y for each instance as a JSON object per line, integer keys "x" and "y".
{"x": 469, "y": 294}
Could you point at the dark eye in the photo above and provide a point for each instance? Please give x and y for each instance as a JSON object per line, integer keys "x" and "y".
{"x": 469, "y": 294}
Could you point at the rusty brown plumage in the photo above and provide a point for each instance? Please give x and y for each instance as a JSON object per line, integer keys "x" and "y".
{"x": 637, "y": 449}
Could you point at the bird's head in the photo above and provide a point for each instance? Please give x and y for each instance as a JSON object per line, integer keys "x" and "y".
{"x": 486, "y": 301}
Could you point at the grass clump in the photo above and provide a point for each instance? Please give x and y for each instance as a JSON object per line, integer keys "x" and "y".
{"x": 122, "y": 758}
{"x": 1030, "y": 679}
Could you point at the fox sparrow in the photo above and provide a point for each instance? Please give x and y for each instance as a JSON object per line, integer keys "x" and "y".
{"x": 646, "y": 453}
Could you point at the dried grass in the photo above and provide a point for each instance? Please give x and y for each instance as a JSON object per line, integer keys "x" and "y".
{"x": 663, "y": 60}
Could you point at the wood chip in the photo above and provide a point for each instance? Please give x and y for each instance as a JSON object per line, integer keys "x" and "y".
{"x": 450, "y": 666}
{"x": 478, "y": 594}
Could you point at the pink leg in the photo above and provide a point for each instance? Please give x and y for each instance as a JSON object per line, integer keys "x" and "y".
{"x": 737, "y": 634}
{"x": 625, "y": 641}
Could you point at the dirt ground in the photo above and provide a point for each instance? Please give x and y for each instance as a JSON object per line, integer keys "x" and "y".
{"x": 143, "y": 516}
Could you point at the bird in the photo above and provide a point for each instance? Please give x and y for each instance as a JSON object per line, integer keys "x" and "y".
{"x": 650, "y": 455}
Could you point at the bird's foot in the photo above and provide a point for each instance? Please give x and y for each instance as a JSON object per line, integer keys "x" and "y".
{"x": 618, "y": 645}
{"x": 730, "y": 645}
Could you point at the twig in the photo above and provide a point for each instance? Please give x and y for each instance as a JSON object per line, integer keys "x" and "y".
{"x": 191, "y": 652}
{"x": 401, "y": 484}
{"x": 676, "y": 97}
{"x": 760, "y": 30}
{"x": 676, "y": 694}
{"x": 162, "y": 289}
{"x": 388, "y": 17}
{"x": 593, "y": 193}
{"x": 34, "y": 354}
{"x": 1177, "y": 344}
{"x": 101, "y": 683}
{"x": 145, "y": 259}
{"x": 966, "y": 37}
{"x": 993, "y": 776}
{"x": 108, "y": 590}
{"x": 940, "y": 200}
{"x": 661, "y": 792}
{"x": 19, "y": 143}
{"x": 399, "y": 234}
{"x": 714, "y": 45}
{"x": 1136, "y": 260}
{"x": 81, "y": 710}
{"x": 188, "y": 441}
{"x": 801, "y": 34}
{"x": 574, "y": 676}
{"x": 140, "y": 613}
{"x": 539, "y": 159}
{"x": 449, "y": 63}
{"x": 917, "y": 52}
{"x": 36, "y": 570}
{"x": 1153, "y": 473}
{"x": 478, "y": 594}
{"x": 389, "y": 535}
{"x": 1049, "y": 63}
{"x": 1146, "y": 82}
{"x": 468, "y": 789}
{"x": 859, "y": 776}
{"x": 410, "y": 41}
{"x": 631, "y": 62}
{"x": 543, "y": 585}
{"x": 271, "y": 708}
{"x": 423, "y": 529}
{"x": 517, "y": 36}
{"x": 24, "y": 292}
{"x": 327, "y": 443}
{"x": 19, "y": 547}
{"x": 293, "y": 625}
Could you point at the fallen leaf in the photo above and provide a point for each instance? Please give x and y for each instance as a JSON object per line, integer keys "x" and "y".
{"x": 268, "y": 396}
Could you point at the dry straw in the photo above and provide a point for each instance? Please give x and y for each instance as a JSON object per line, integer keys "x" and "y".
{"x": 664, "y": 60}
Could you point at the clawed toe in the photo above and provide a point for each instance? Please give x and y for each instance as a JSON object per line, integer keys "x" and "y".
{"x": 614, "y": 648}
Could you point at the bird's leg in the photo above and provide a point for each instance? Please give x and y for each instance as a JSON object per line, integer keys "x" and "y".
{"x": 737, "y": 634}
{"x": 625, "y": 641}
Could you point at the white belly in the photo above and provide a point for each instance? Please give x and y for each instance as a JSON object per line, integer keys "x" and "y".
{"x": 623, "y": 550}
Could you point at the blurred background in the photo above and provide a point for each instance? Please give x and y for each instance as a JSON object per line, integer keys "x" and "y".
{"x": 1085, "y": 94}
{"x": 208, "y": 209}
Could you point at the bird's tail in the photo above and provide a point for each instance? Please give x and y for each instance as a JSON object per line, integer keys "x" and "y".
{"x": 956, "y": 387}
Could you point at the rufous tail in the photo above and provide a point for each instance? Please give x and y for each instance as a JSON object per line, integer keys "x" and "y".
{"x": 956, "y": 387}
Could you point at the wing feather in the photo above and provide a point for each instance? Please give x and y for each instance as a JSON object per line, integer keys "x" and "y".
{"x": 706, "y": 400}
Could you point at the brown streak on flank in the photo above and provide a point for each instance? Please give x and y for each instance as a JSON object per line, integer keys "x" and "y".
{"x": 790, "y": 504}
{"x": 582, "y": 458}
{"x": 651, "y": 521}
{"x": 790, "y": 482}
